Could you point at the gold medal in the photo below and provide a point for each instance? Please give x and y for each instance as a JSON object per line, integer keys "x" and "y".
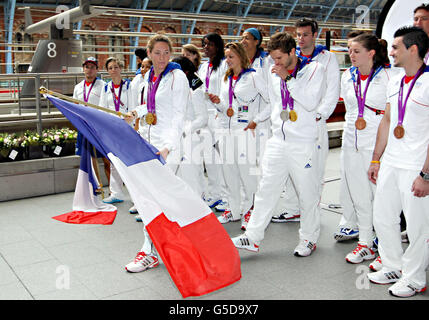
{"x": 230, "y": 112}
{"x": 150, "y": 118}
{"x": 284, "y": 115}
{"x": 293, "y": 116}
{"x": 360, "y": 123}
{"x": 399, "y": 131}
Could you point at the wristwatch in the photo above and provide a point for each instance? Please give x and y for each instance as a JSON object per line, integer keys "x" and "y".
{"x": 424, "y": 175}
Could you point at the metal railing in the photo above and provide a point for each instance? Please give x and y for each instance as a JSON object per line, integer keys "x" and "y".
{"x": 11, "y": 85}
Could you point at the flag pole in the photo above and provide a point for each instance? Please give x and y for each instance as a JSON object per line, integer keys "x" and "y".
{"x": 43, "y": 90}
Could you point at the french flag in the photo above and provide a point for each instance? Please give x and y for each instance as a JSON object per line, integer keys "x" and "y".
{"x": 87, "y": 207}
{"x": 193, "y": 245}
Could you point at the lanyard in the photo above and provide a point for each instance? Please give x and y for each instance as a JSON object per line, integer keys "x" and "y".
{"x": 151, "y": 92}
{"x": 117, "y": 99}
{"x": 86, "y": 97}
{"x": 358, "y": 91}
{"x": 403, "y": 104}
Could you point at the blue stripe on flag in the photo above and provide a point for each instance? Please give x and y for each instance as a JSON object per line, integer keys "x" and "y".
{"x": 102, "y": 131}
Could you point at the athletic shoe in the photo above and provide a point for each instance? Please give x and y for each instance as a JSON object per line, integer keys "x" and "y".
{"x": 226, "y": 217}
{"x": 142, "y": 262}
{"x": 376, "y": 265}
{"x": 243, "y": 242}
{"x": 286, "y": 217}
{"x": 375, "y": 244}
{"x": 359, "y": 254}
{"x": 404, "y": 237}
{"x": 112, "y": 199}
{"x": 246, "y": 219}
{"x": 222, "y": 206}
{"x": 139, "y": 219}
{"x": 133, "y": 210}
{"x": 405, "y": 288}
{"x": 346, "y": 234}
{"x": 304, "y": 248}
{"x": 212, "y": 202}
{"x": 384, "y": 277}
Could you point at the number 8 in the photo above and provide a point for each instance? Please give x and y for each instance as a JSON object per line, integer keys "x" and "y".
{"x": 51, "y": 50}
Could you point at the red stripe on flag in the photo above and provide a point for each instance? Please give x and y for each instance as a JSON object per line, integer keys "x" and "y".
{"x": 200, "y": 257}
{"x": 81, "y": 217}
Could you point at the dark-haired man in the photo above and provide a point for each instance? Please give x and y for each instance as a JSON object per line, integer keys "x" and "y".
{"x": 295, "y": 92}
{"x": 421, "y": 20}
{"x": 403, "y": 175}
{"x": 307, "y": 50}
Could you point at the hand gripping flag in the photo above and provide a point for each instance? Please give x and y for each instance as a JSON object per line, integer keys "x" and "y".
{"x": 87, "y": 207}
{"x": 194, "y": 246}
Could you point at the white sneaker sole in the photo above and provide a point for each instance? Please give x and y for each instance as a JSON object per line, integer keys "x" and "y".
{"x": 142, "y": 269}
{"x": 413, "y": 293}
{"x": 362, "y": 259}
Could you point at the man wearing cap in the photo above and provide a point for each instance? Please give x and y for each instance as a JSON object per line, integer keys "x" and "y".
{"x": 89, "y": 90}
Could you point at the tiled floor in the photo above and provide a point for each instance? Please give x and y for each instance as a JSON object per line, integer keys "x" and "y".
{"x": 44, "y": 259}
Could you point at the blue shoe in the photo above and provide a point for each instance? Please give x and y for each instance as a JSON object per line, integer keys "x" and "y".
{"x": 346, "y": 234}
{"x": 112, "y": 199}
{"x": 375, "y": 244}
{"x": 212, "y": 203}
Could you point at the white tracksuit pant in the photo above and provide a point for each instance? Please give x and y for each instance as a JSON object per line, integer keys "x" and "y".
{"x": 172, "y": 163}
{"x": 281, "y": 160}
{"x": 289, "y": 202}
{"x": 357, "y": 193}
{"x": 393, "y": 194}
{"x": 238, "y": 153}
{"x": 116, "y": 184}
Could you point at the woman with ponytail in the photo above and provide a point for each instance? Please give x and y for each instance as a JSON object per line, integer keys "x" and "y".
{"x": 238, "y": 106}
{"x": 363, "y": 88}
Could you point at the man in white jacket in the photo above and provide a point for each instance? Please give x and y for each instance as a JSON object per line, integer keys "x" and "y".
{"x": 400, "y": 168}
{"x": 295, "y": 91}
{"x": 306, "y": 29}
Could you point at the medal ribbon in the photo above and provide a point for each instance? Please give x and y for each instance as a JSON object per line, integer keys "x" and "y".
{"x": 402, "y": 105}
{"x": 286, "y": 97}
{"x": 358, "y": 91}
{"x": 151, "y": 92}
{"x": 86, "y": 97}
{"x": 117, "y": 99}
{"x": 231, "y": 88}
{"x": 208, "y": 74}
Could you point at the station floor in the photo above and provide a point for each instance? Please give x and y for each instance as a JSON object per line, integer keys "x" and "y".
{"x": 44, "y": 259}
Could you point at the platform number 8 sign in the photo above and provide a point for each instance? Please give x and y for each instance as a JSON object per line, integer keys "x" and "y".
{"x": 52, "y": 53}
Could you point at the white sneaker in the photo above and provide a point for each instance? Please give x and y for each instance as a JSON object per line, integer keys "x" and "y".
{"x": 212, "y": 202}
{"x": 304, "y": 248}
{"x": 246, "y": 219}
{"x": 226, "y": 217}
{"x": 404, "y": 237}
{"x": 405, "y": 288}
{"x": 243, "y": 242}
{"x": 112, "y": 199}
{"x": 286, "y": 217}
{"x": 384, "y": 277}
{"x": 376, "y": 265}
{"x": 142, "y": 262}
{"x": 133, "y": 210}
{"x": 359, "y": 254}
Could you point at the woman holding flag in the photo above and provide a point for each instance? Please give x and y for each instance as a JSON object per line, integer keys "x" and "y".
{"x": 117, "y": 96}
{"x": 363, "y": 88}
{"x": 162, "y": 108}
{"x": 238, "y": 106}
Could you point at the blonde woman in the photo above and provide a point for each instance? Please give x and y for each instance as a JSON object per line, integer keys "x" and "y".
{"x": 162, "y": 110}
{"x": 238, "y": 106}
